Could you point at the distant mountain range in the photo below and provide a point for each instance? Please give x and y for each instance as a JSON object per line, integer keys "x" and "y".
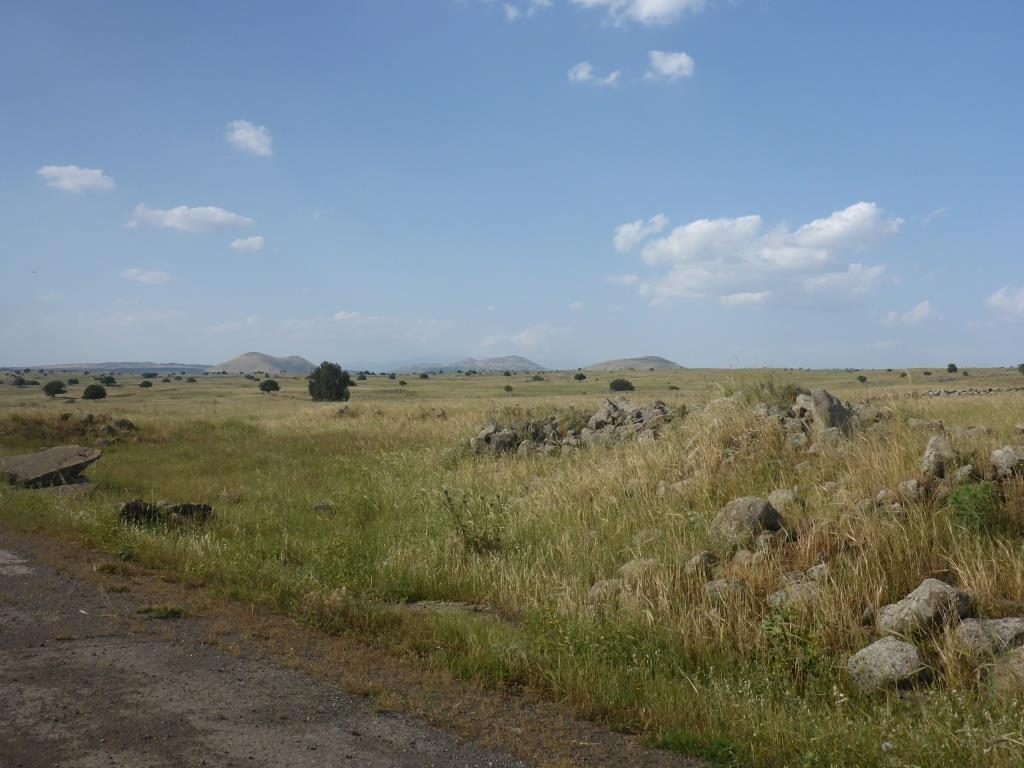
{"x": 638, "y": 363}
{"x": 484, "y": 365}
{"x": 123, "y": 367}
{"x": 251, "y": 362}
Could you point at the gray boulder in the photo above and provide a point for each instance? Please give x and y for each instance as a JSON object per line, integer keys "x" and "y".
{"x": 886, "y": 663}
{"x": 938, "y": 457}
{"x": 784, "y": 500}
{"x": 636, "y": 571}
{"x": 726, "y": 589}
{"x": 912, "y": 490}
{"x": 741, "y": 520}
{"x": 989, "y": 637}
{"x": 1008, "y": 460}
{"x": 796, "y": 595}
{"x": 54, "y": 466}
{"x": 829, "y": 412}
{"x": 702, "y": 565}
{"x": 933, "y": 604}
{"x": 604, "y": 592}
{"x": 1007, "y": 675}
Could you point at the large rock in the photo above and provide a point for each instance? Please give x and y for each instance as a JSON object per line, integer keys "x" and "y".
{"x": 796, "y": 595}
{"x": 933, "y": 604}
{"x": 54, "y": 466}
{"x": 886, "y": 663}
{"x": 702, "y": 565}
{"x": 829, "y": 412}
{"x": 740, "y": 522}
{"x": 784, "y": 500}
{"x": 494, "y": 440}
{"x": 1007, "y": 675}
{"x": 1008, "y": 460}
{"x": 938, "y": 457}
{"x": 636, "y": 571}
{"x": 989, "y": 637}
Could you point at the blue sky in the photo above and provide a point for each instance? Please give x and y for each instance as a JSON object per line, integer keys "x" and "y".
{"x": 744, "y": 183}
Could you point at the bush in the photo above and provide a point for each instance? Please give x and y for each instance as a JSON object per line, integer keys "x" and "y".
{"x": 107, "y": 380}
{"x": 54, "y": 388}
{"x": 361, "y": 377}
{"x": 903, "y": 374}
{"x": 507, "y": 373}
{"x": 975, "y": 506}
{"x": 190, "y": 380}
{"x": 951, "y": 368}
{"x": 165, "y": 381}
{"x": 862, "y": 379}
{"x": 149, "y": 375}
{"x": 403, "y": 383}
{"x": 329, "y": 383}
{"x": 535, "y": 377}
{"x": 392, "y": 376}
{"x": 146, "y": 384}
{"x": 72, "y": 381}
{"x": 508, "y": 388}
{"x": 927, "y": 373}
{"x": 579, "y": 377}
{"x": 424, "y": 375}
{"x": 269, "y": 385}
{"x": 94, "y": 392}
{"x": 621, "y": 385}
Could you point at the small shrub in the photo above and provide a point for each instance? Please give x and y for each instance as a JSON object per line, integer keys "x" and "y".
{"x": 673, "y": 388}
{"x": 508, "y": 389}
{"x": 927, "y": 373}
{"x": 190, "y": 380}
{"x": 903, "y": 374}
{"x": 951, "y": 368}
{"x": 149, "y": 375}
{"x": 975, "y": 506}
{"x": 269, "y": 385}
{"x": 621, "y": 385}
{"x": 424, "y": 375}
{"x": 72, "y": 382}
{"x": 479, "y": 522}
{"x": 94, "y": 392}
{"x": 536, "y": 378}
{"x": 579, "y": 376}
{"x": 361, "y": 377}
{"x": 403, "y": 383}
{"x": 146, "y": 384}
{"x": 862, "y": 379}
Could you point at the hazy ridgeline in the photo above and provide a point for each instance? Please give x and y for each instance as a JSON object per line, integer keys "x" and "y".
{"x": 336, "y": 513}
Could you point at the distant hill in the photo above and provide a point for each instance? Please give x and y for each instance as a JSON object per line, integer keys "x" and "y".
{"x": 251, "y": 362}
{"x": 639, "y": 363}
{"x": 122, "y": 367}
{"x": 484, "y": 365}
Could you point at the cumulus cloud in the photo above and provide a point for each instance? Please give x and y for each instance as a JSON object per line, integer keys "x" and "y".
{"x": 249, "y": 138}
{"x": 1008, "y": 300}
{"x": 622, "y": 279}
{"x": 629, "y": 235}
{"x": 526, "y": 10}
{"x": 666, "y": 65}
{"x": 722, "y": 256}
{"x": 650, "y": 12}
{"x": 71, "y": 178}
{"x": 146, "y": 277}
{"x": 254, "y": 243}
{"x": 744, "y": 299}
{"x": 856, "y": 279}
{"x": 915, "y": 315}
{"x": 186, "y": 219}
{"x": 584, "y": 74}
{"x": 344, "y": 315}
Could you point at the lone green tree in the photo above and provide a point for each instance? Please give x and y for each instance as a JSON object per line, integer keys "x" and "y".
{"x": 329, "y": 383}
{"x": 620, "y": 385}
{"x": 580, "y": 376}
{"x": 54, "y": 388}
{"x": 94, "y": 392}
{"x": 951, "y": 368}
{"x": 269, "y": 385}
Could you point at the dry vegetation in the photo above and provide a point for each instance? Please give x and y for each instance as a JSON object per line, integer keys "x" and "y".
{"x": 336, "y": 514}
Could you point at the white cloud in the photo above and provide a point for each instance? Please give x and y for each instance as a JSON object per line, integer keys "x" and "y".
{"x": 253, "y": 139}
{"x": 511, "y": 12}
{"x": 234, "y": 326}
{"x": 722, "y": 256}
{"x": 628, "y": 236}
{"x": 576, "y": 306}
{"x": 744, "y": 299}
{"x": 146, "y": 277}
{"x": 857, "y": 279}
{"x": 343, "y": 315}
{"x": 666, "y": 65}
{"x": 583, "y": 73}
{"x": 622, "y": 279}
{"x": 529, "y": 339}
{"x": 915, "y": 315}
{"x": 126, "y": 320}
{"x": 254, "y": 243}
{"x": 71, "y": 178}
{"x": 185, "y": 219}
{"x": 938, "y": 213}
{"x": 650, "y": 12}
{"x": 1008, "y": 300}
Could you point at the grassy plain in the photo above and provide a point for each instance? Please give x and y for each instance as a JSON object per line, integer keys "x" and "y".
{"x": 335, "y": 515}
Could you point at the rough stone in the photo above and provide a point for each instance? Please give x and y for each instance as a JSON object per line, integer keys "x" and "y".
{"x": 741, "y": 520}
{"x": 886, "y": 663}
{"x": 912, "y": 491}
{"x": 54, "y": 466}
{"x": 1007, "y": 675}
{"x": 784, "y": 500}
{"x": 604, "y": 591}
{"x": 817, "y": 572}
{"x": 1008, "y": 460}
{"x": 829, "y": 412}
{"x": 931, "y": 605}
{"x": 938, "y": 457}
{"x": 636, "y": 571}
{"x": 801, "y": 594}
{"x": 989, "y": 637}
{"x": 702, "y": 565}
{"x": 726, "y": 589}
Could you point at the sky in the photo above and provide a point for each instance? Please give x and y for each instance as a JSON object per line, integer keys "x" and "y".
{"x": 726, "y": 183}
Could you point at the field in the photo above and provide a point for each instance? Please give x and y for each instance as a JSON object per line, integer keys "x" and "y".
{"x": 336, "y": 514}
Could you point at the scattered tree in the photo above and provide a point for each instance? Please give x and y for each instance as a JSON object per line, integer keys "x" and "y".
{"x": 145, "y": 383}
{"x": 927, "y": 373}
{"x": 580, "y": 376}
{"x": 951, "y": 368}
{"x": 54, "y": 388}
{"x": 361, "y": 377}
{"x": 94, "y": 392}
{"x": 620, "y": 385}
{"x": 329, "y": 383}
{"x": 424, "y": 375}
{"x": 403, "y": 383}
{"x": 507, "y": 373}
{"x": 190, "y": 380}
{"x": 72, "y": 381}
{"x": 108, "y": 380}
{"x": 269, "y": 385}
{"x": 508, "y": 389}
{"x": 862, "y": 379}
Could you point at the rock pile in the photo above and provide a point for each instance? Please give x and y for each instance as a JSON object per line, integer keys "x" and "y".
{"x": 139, "y": 512}
{"x": 971, "y": 392}
{"x": 616, "y": 420}
{"x": 819, "y": 417}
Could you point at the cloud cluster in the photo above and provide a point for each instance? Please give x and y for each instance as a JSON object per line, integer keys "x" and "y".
{"x": 71, "y": 178}
{"x": 249, "y": 138}
{"x": 584, "y": 74}
{"x": 1008, "y": 300}
{"x": 649, "y": 12}
{"x": 737, "y": 257}
{"x": 186, "y": 219}
{"x": 916, "y": 315}
{"x": 254, "y": 243}
{"x": 527, "y": 10}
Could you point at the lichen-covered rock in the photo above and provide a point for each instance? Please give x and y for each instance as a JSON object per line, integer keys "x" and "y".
{"x": 989, "y": 637}
{"x": 801, "y": 594}
{"x": 785, "y": 501}
{"x": 603, "y": 592}
{"x": 1006, "y": 677}
{"x": 912, "y": 491}
{"x": 741, "y": 520}
{"x": 829, "y": 412}
{"x": 933, "y": 604}
{"x": 886, "y": 663}
{"x": 702, "y": 565}
{"x": 636, "y": 571}
{"x": 938, "y": 457}
{"x": 1008, "y": 460}
{"x": 726, "y": 589}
